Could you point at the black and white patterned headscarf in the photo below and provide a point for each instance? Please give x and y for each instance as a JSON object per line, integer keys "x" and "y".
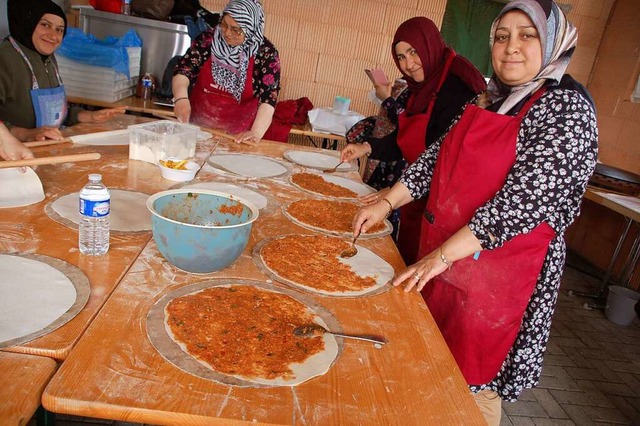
{"x": 229, "y": 63}
{"x": 558, "y": 38}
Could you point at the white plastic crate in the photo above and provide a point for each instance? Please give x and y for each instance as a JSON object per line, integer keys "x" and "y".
{"x": 109, "y": 96}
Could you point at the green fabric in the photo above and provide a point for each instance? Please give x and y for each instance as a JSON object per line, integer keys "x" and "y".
{"x": 465, "y": 27}
{"x": 16, "y": 108}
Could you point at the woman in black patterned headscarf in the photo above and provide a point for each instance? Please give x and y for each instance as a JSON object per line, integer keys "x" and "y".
{"x": 235, "y": 73}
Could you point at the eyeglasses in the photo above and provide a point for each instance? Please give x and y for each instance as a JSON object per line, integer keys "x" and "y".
{"x": 236, "y": 31}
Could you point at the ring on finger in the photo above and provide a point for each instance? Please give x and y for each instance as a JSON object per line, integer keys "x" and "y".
{"x": 416, "y": 276}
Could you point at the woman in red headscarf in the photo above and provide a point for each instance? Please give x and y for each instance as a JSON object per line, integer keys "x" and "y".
{"x": 439, "y": 84}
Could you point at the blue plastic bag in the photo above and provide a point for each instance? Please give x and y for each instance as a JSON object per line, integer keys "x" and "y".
{"x": 110, "y": 52}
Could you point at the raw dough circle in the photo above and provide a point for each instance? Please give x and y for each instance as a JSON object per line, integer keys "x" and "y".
{"x": 19, "y": 189}
{"x": 172, "y": 351}
{"x": 37, "y": 295}
{"x": 129, "y": 211}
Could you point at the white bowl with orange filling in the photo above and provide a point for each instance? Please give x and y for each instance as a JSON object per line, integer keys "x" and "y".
{"x": 178, "y": 170}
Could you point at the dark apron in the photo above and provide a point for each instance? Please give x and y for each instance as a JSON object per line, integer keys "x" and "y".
{"x": 479, "y": 304}
{"x": 412, "y": 133}
{"x": 49, "y": 105}
{"x": 213, "y": 107}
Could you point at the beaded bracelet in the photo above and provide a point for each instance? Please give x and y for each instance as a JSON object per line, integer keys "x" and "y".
{"x": 445, "y": 260}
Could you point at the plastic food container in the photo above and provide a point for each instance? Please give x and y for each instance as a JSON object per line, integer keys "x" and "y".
{"x": 158, "y": 140}
{"x": 178, "y": 175}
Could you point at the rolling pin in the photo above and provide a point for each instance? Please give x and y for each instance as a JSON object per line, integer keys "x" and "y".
{"x": 45, "y": 143}
{"x": 50, "y": 160}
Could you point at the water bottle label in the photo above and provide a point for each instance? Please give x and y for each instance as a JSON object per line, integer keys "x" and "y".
{"x": 94, "y": 208}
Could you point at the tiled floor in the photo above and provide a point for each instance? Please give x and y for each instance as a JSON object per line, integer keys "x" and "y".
{"x": 591, "y": 374}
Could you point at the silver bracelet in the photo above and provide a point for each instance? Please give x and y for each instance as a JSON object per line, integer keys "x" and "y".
{"x": 445, "y": 260}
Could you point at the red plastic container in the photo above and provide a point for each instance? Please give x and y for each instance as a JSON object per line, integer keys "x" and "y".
{"x": 114, "y": 6}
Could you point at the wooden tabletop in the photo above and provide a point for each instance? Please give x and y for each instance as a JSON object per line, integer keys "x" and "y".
{"x": 30, "y": 230}
{"x": 132, "y": 103}
{"x": 147, "y": 106}
{"x": 115, "y": 372}
{"x": 626, "y": 205}
{"x": 22, "y": 381}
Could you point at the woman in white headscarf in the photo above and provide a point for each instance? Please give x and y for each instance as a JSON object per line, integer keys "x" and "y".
{"x": 235, "y": 73}
{"x": 507, "y": 183}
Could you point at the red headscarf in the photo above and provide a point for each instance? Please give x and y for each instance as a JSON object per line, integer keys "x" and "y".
{"x": 424, "y": 36}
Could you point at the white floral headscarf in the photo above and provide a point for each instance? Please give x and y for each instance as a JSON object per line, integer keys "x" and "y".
{"x": 558, "y": 38}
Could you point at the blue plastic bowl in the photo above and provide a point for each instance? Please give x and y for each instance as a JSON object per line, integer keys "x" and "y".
{"x": 198, "y": 230}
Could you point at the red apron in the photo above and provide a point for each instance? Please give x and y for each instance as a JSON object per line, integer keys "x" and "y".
{"x": 479, "y": 304}
{"x": 213, "y": 107}
{"x": 412, "y": 132}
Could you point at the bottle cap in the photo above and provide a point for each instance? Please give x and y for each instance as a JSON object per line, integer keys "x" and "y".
{"x": 95, "y": 176}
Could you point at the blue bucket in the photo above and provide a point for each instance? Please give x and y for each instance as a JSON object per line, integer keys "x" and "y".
{"x": 198, "y": 230}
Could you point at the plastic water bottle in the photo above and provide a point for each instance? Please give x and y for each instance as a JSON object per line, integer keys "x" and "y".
{"x": 126, "y": 7}
{"x": 93, "y": 238}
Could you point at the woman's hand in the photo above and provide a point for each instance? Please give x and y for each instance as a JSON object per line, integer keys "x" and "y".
{"x": 368, "y": 216}
{"x": 353, "y": 151}
{"x": 246, "y": 137}
{"x": 420, "y": 273}
{"x": 37, "y": 134}
{"x": 383, "y": 91}
{"x": 11, "y": 148}
{"x": 375, "y": 196}
{"x": 182, "y": 110}
{"x": 105, "y": 114}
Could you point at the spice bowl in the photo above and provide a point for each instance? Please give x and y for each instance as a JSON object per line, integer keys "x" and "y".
{"x": 178, "y": 175}
{"x": 198, "y": 230}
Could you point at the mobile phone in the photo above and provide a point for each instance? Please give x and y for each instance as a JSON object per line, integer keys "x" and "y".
{"x": 377, "y": 76}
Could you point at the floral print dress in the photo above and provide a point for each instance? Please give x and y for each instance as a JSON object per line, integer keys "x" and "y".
{"x": 556, "y": 154}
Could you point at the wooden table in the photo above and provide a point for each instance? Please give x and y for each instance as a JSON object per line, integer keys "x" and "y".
{"x": 30, "y": 230}
{"x": 147, "y": 106}
{"x": 629, "y": 207}
{"x": 115, "y": 372}
{"x": 22, "y": 381}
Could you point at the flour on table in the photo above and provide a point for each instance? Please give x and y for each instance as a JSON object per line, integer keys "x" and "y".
{"x": 128, "y": 210}
{"x": 19, "y": 189}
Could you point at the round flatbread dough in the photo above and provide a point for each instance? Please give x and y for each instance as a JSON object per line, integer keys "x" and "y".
{"x": 176, "y": 352}
{"x": 129, "y": 211}
{"x": 19, "y": 189}
{"x": 113, "y": 137}
{"x": 259, "y": 200}
{"x": 323, "y": 270}
{"x": 317, "y": 160}
{"x": 36, "y": 298}
{"x": 248, "y": 165}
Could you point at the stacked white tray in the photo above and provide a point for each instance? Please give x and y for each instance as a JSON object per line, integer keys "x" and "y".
{"x": 99, "y": 83}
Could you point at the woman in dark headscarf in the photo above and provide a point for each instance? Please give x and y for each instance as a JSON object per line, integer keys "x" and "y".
{"x": 32, "y": 99}
{"x": 439, "y": 84}
{"x": 507, "y": 183}
{"x": 235, "y": 72}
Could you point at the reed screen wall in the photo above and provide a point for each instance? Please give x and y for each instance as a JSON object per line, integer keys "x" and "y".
{"x": 325, "y": 45}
